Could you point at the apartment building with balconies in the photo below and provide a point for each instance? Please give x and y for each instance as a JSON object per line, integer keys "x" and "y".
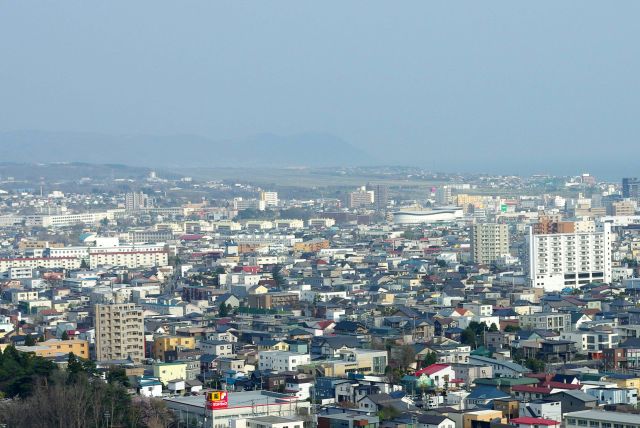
{"x": 119, "y": 332}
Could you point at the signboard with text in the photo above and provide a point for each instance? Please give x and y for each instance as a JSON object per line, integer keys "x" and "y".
{"x": 217, "y": 400}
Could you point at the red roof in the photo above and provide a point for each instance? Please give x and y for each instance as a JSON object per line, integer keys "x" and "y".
{"x": 537, "y": 375}
{"x": 534, "y": 389}
{"x": 560, "y": 385}
{"x": 433, "y": 368}
{"x": 324, "y": 324}
{"x": 534, "y": 421}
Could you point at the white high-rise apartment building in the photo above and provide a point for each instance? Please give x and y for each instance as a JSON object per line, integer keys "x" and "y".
{"x": 361, "y": 198}
{"x": 119, "y": 332}
{"x": 132, "y": 256}
{"x": 489, "y": 242}
{"x": 270, "y": 198}
{"x": 249, "y": 204}
{"x": 136, "y": 201}
{"x": 569, "y": 259}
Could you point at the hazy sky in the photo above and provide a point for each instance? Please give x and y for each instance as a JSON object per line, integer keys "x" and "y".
{"x": 502, "y": 86}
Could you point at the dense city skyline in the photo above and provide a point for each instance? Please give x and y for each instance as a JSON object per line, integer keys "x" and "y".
{"x": 339, "y": 214}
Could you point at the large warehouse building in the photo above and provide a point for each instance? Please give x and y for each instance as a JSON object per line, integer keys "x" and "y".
{"x": 427, "y": 216}
{"x": 241, "y": 405}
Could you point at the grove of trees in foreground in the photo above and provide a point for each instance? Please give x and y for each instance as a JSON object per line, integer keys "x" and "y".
{"x": 37, "y": 394}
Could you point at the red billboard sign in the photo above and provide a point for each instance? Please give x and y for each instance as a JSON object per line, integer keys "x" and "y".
{"x": 217, "y": 400}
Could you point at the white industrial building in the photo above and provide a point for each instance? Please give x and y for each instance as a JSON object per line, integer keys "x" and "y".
{"x": 190, "y": 410}
{"x": 427, "y": 216}
{"x": 69, "y": 219}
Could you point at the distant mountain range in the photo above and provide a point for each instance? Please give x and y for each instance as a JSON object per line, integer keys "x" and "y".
{"x": 264, "y": 150}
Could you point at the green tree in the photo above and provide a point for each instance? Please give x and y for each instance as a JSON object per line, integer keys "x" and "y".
{"x": 388, "y": 413}
{"x": 510, "y": 328}
{"x": 223, "y": 310}
{"x": 478, "y": 328}
{"x": 74, "y": 367}
{"x": 468, "y": 337}
{"x": 493, "y": 327}
{"x": 29, "y": 340}
{"x": 407, "y": 356}
{"x": 65, "y": 335}
{"x": 534, "y": 364}
{"x": 276, "y": 272}
{"x": 253, "y": 214}
{"x": 118, "y": 376}
{"x": 430, "y": 358}
{"x": 78, "y": 403}
{"x": 20, "y": 370}
{"x": 79, "y": 366}
{"x": 412, "y": 234}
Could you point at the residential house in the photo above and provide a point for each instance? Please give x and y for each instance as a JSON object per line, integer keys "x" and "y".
{"x": 483, "y": 396}
{"x": 549, "y": 350}
{"x": 440, "y": 374}
{"x": 572, "y": 401}
{"x": 217, "y": 347}
{"x": 166, "y": 372}
{"x": 501, "y": 368}
{"x": 614, "y": 395}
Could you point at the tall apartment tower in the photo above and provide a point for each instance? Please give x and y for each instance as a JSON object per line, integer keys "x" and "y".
{"x": 380, "y": 195}
{"x": 136, "y": 201}
{"x": 570, "y": 258}
{"x": 489, "y": 242}
{"x": 361, "y": 198}
{"x": 119, "y": 332}
{"x": 444, "y": 196}
{"x": 631, "y": 188}
{"x": 270, "y": 198}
